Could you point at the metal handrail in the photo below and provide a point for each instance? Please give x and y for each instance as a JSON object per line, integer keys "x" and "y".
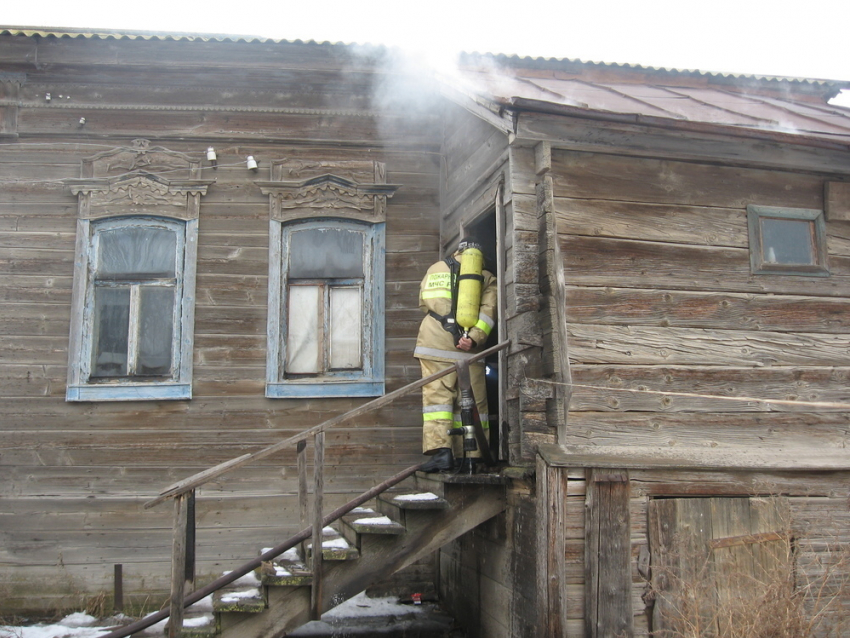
{"x": 199, "y": 479}
{"x": 275, "y": 551}
{"x": 187, "y": 486}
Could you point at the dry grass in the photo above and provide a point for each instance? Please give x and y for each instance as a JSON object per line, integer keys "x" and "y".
{"x": 781, "y": 589}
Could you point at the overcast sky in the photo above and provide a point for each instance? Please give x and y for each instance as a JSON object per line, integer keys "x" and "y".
{"x": 765, "y": 37}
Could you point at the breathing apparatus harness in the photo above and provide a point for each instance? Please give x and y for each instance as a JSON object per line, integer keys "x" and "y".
{"x": 466, "y": 283}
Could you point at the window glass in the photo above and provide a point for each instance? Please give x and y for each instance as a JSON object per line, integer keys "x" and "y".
{"x": 345, "y": 328}
{"x": 787, "y": 241}
{"x": 137, "y": 253}
{"x": 322, "y": 253}
{"x": 303, "y": 343}
{"x": 156, "y": 326}
{"x": 111, "y": 332}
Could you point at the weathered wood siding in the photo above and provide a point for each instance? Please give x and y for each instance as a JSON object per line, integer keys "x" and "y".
{"x": 660, "y": 297}
{"x": 75, "y": 475}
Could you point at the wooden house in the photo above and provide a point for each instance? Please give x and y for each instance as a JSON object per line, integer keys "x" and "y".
{"x": 673, "y": 257}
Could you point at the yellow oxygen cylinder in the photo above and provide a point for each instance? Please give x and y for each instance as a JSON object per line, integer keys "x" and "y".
{"x": 469, "y": 288}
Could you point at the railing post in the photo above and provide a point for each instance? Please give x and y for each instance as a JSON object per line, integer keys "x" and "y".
{"x": 190, "y": 542}
{"x": 303, "y": 496}
{"x": 178, "y": 565}
{"x": 318, "y": 527}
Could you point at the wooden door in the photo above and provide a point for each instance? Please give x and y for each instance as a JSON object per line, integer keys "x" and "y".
{"x": 712, "y": 561}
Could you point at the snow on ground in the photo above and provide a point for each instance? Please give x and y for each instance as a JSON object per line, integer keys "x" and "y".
{"x": 74, "y": 626}
{"x": 361, "y": 605}
{"x": 355, "y": 610}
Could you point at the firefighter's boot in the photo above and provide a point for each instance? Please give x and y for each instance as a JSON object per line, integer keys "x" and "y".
{"x": 441, "y": 461}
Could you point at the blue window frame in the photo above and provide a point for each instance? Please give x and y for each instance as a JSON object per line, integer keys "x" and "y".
{"x": 326, "y": 300}
{"x": 133, "y": 310}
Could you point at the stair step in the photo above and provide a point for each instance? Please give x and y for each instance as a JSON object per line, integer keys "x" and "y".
{"x": 287, "y": 570}
{"x": 417, "y": 501}
{"x": 335, "y": 547}
{"x": 373, "y": 523}
{"x": 365, "y": 521}
{"x": 198, "y": 620}
{"x": 244, "y": 594}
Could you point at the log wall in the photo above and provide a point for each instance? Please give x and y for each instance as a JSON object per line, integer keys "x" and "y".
{"x": 815, "y": 513}
{"x": 659, "y": 297}
{"x": 75, "y": 475}
{"x": 662, "y": 312}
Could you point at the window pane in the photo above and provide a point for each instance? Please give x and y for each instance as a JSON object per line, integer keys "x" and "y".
{"x": 303, "y": 354}
{"x": 111, "y": 326}
{"x": 326, "y": 253}
{"x": 345, "y": 328}
{"x": 787, "y": 241}
{"x": 156, "y": 323}
{"x": 137, "y": 253}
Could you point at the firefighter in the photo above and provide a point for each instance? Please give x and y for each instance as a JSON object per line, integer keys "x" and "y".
{"x": 442, "y": 342}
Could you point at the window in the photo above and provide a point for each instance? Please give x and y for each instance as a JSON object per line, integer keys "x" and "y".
{"x": 133, "y": 304}
{"x": 789, "y": 241}
{"x": 325, "y": 335}
{"x": 133, "y": 314}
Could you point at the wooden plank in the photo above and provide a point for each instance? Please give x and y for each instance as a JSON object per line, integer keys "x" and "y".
{"x": 608, "y": 555}
{"x": 661, "y": 222}
{"x": 551, "y": 524}
{"x": 638, "y": 345}
{"x": 809, "y": 383}
{"x": 178, "y": 566}
{"x": 316, "y": 564}
{"x": 837, "y": 205}
{"x": 772, "y": 430}
{"x": 813, "y": 459}
{"x": 719, "y": 310}
{"x": 594, "y": 261}
{"x": 740, "y": 148}
{"x": 611, "y": 177}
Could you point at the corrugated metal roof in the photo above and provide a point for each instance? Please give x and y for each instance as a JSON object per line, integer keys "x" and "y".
{"x": 663, "y": 99}
{"x": 106, "y": 34}
{"x": 498, "y": 58}
{"x": 784, "y": 105}
{"x": 557, "y": 63}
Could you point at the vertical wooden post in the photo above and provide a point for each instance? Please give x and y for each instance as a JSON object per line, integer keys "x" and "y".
{"x": 318, "y": 497}
{"x": 608, "y": 576}
{"x": 190, "y": 542}
{"x": 178, "y": 565}
{"x": 118, "y": 589}
{"x": 551, "y": 549}
{"x": 303, "y": 496}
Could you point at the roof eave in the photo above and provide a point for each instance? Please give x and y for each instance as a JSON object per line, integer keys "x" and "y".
{"x": 518, "y": 105}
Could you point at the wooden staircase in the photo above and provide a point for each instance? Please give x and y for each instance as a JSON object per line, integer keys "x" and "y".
{"x": 367, "y": 547}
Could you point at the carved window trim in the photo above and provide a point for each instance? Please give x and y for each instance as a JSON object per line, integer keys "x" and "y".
{"x": 134, "y": 187}
{"x": 329, "y": 195}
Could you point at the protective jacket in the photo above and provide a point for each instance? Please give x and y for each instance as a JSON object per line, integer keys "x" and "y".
{"x": 435, "y": 349}
{"x": 435, "y": 298}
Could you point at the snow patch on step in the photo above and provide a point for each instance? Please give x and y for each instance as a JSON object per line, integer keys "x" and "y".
{"x": 200, "y": 621}
{"x": 377, "y": 520}
{"x": 424, "y": 496}
{"x": 248, "y": 580}
{"x": 232, "y": 597}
